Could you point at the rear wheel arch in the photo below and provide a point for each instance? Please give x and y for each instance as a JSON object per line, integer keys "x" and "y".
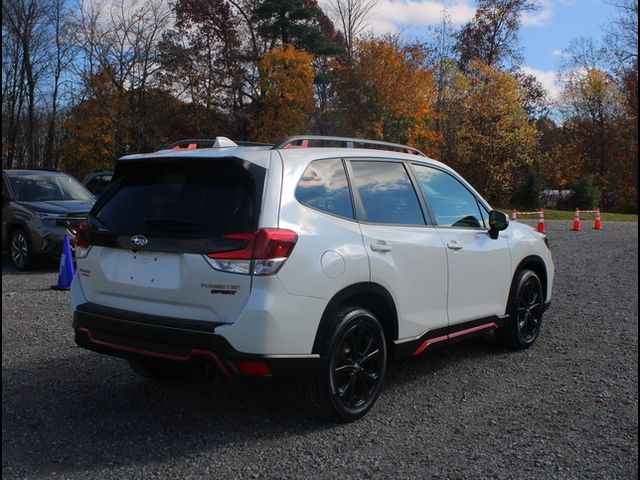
{"x": 367, "y": 295}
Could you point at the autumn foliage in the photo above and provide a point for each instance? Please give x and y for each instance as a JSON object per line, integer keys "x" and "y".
{"x": 497, "y": 142}
{"x": 386, "y": 92}
{"x": 286, "y": 94}
{"x": 87, "y": 82}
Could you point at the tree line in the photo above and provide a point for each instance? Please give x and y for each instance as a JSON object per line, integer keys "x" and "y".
{"x": 85, "y": 83}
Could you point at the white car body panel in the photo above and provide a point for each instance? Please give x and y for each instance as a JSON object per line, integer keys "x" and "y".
{"x": 180, "y": 286}
{"x": 479, "y": 270}
{"x": 524, "y": 242}
{"x": 320, "y": 235}
{"x": 431, "y": 285}
{"x": 414, "y": 271}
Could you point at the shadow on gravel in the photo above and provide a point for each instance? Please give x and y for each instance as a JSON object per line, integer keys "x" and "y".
{"x": 42, "y": 265}
{"x": 89, "y": 411}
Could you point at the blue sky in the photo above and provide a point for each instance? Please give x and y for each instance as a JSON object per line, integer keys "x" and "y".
{"x": 543, "y": 43}
{"x": 543, "y": 35}
{"x": 568, "y": 20}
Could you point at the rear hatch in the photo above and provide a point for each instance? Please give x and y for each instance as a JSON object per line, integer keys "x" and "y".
{"x": 151, "y": 230}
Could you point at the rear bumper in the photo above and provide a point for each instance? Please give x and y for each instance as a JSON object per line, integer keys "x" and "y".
{"x": 190, "y": 343}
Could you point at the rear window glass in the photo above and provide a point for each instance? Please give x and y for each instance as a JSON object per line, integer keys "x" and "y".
{"x": 183, "y": 197}
{"x": 324, "y": 186}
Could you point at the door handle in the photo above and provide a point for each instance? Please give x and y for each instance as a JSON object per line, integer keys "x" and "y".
{"x": 453, "y": 245}
{"x": 380, "y": 247}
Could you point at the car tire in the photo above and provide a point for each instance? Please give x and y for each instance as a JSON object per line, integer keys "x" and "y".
{"x": 353, "y": 363}
{"x": 20, "y": 251}
{"x": 157, "y": 372}
{"x": 526, "y": 307}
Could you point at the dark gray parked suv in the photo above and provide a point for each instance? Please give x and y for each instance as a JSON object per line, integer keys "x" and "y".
{"x": 38, "y": 209}
{"x": 97, "y": 180}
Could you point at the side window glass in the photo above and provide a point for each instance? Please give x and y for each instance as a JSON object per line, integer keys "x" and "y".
{"x": 452, "y": 204}
{"x": 386, "y": 193}
{"x": 324, "y": 186}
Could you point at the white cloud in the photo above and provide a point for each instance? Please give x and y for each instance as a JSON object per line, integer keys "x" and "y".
{"x": 390, "y": 16}
{"x": 539, "y": 17}
{"x": 548, "y": 79}
{"x": 558, "y": 53}
{"x": 426, "y": 12}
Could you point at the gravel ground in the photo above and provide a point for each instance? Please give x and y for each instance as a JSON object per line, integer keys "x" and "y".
{"x": 566, "y": 408}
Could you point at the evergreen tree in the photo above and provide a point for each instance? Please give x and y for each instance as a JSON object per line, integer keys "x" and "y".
{"x": 300, "y": 23}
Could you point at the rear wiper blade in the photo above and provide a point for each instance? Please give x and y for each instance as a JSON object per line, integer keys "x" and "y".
{"x": 172, "y": 222}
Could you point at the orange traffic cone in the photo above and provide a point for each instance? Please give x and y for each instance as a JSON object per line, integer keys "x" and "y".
{"x": 598, "y": 223}
{"x": 514, "y": 215}
{"x": 576, "y": 221}
{"x": 541, "y": 221}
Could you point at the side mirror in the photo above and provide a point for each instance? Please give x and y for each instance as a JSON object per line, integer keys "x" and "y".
{"x": 498, "y": 221}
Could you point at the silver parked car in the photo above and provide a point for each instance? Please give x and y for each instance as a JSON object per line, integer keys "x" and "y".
{"x": 38, "y": 209}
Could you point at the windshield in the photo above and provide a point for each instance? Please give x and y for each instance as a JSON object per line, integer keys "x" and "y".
{"x": 48, "y": 188}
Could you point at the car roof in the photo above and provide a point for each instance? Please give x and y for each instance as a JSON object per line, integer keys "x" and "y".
{"x": 21, "y": 173}
{"x": 261, "y": 155}
{"x": 257, "y": 155}
{"x": 313, "y": 153}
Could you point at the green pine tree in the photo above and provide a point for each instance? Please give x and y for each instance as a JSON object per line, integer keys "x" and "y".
{"x": 300, "y": 23}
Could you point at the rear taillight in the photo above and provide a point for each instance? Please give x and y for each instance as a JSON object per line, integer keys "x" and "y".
{"x": 264, "y": 252}
{"x": 82, "y": 244}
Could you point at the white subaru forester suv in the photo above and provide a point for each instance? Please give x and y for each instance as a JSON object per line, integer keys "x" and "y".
{"x": 319, "y": 257}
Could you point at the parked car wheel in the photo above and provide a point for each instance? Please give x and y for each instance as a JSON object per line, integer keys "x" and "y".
{"x": 353, "y": 367}
{"x": 20, "y": 250}
{"x": 526, "y": 307}
{"x": 158, "y": 373}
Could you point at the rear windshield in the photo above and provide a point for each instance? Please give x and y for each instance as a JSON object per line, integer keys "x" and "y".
{"x": 183, "y": 197}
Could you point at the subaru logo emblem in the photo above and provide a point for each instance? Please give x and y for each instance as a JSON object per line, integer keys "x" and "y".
{"x": 138, "y": 241}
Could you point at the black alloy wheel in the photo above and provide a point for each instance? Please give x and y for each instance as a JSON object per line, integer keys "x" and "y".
{"x": 356, "y": 364}
{"x": 20, "y": 250}
{"x": 529, "y": 310}
{"x": 354, "y": 359}
{"x": 526, "y": 307}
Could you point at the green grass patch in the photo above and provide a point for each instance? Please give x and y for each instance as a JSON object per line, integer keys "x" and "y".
{"x": 568, "y": 215}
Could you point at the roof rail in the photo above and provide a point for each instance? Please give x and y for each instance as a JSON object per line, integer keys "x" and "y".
{"x": 303, "y": 141}
{"x": 218, "y": 142}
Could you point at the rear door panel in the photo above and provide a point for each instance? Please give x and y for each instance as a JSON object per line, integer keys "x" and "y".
{"x": 405, "y": 256}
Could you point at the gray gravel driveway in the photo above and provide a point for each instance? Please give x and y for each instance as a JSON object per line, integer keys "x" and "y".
{"x": 566, "y": 408}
